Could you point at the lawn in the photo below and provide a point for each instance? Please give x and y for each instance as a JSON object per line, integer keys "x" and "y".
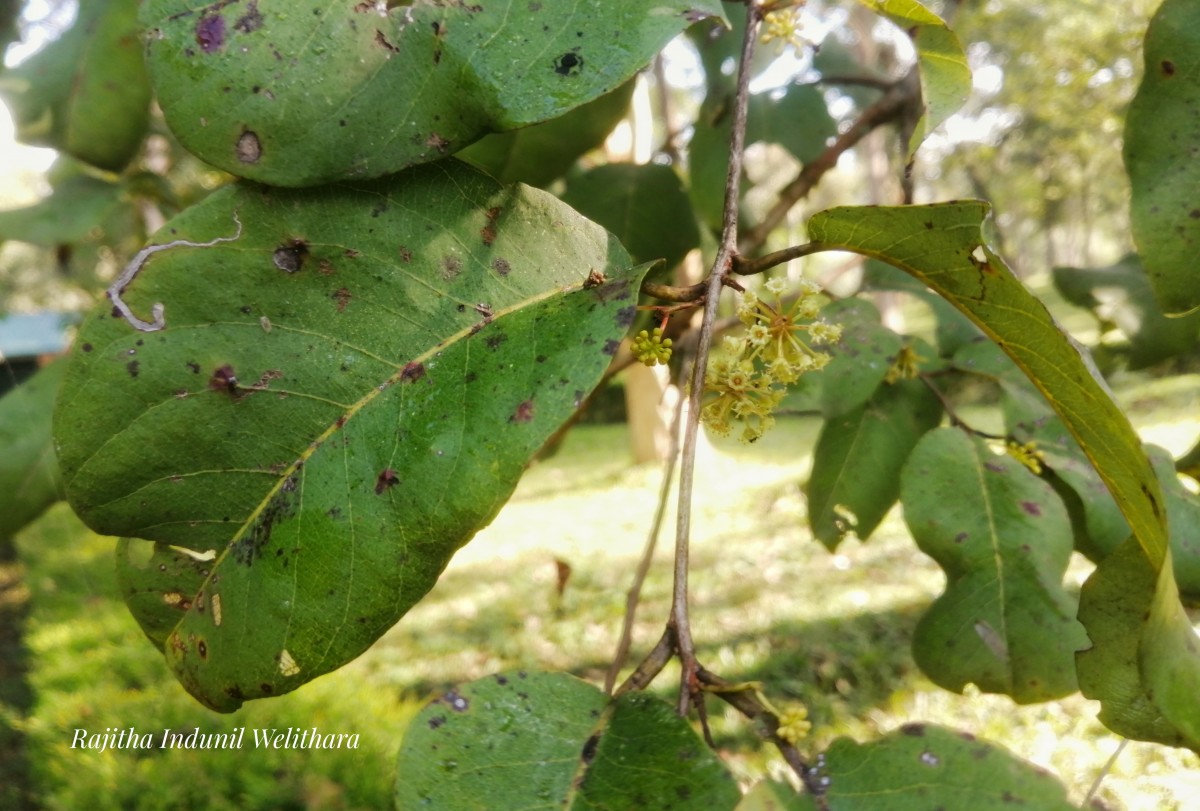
{"x": 769, "y": 604}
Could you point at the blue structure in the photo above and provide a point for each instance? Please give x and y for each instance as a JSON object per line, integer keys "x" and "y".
{"x": 27, "y": 338}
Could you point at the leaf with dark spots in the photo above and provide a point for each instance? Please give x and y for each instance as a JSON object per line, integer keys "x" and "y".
{"x": 501, "y": 266}
{"x": 975, "y": 526}
{"x": 396, "y": 90}
{"x": 611, "y": 346}
{"x": 132, "y": 366}
{"x": 342, "y": 297}
{"x": 295, "y": 422}
{"x": 494, "y": 342}
{"x": 626, "y": 316}
{"x": 565, "y": 743}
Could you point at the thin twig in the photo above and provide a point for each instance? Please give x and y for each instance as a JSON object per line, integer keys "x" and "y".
{"x": 721, "y": 266}
{"x": 886, "y": 108}
{"x": 748, "y": 267}
{"x": 955, "y": 420}
{"x": 639, "y": 577}
{"x": 748, "y": 704}
{"x": 1095, "y": 787}
{"x": 652, "y": 665}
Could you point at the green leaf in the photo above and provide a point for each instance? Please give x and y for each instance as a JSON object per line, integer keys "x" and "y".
{"x": 1121, "y": 294}
{"x": 1183, "y": 517}
{"x": 1114, "y": 605}
{"x": 298, "y": 97}
{"x": 87, "y": 94}
{"x": 920, "y": 767}
{"x": 942, "y": 245}
{"x": 1096, "y": 520}
{"x": 1004, "y": 539}
{"x": 796, "y": 118}
{"x": 29, "y": 477}
{"x": 522, "y": 740}
{"x": 75, "y": 207}
{"x": 644, "y": 206}
{"x": 945, "y": 75}
{"x": 857, "y": 460}
{"x": 1162, "y": 136}
{"x": 544, "y": 152}
{"x": 861, "y": 359}
{"x": 954, "y": 330}
{"x": 340, "y": 399}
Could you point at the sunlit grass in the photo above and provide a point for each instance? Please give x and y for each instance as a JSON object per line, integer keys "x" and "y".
{"x": 768, "y": 603}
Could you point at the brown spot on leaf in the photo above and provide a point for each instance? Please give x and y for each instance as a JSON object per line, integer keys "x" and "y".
{"x": 610, "y": 347}
{"x": 386, "y": 479}
{"x": 1168, "y": 67}
{"x": 405, "y": 254}
{"x": 249, "y": 150}
{"x": 1031, "y": 508}
{"x": 210, "y": 32}
{"x": 488, "y": 232}
{"x": 290, "y": 258}
{"x": 202, "y": 648}
{"x": 589, "y": 749}
{"x": 412, "y": 372}
{"x": 132, "y": 368}
{"x": 86, "y": 347}
{"x": 436, "y": 141}
{"x": 494, "y": 341}
{"x": 250, "y": 21}
{"x": 523, "y": 414}
{"x": 451, "y": 267}
{"x": 484, "y": 309}
{"x": 913, "y": 730}
{"x": 224, "y": 379}
{"x": 342, "y": 297}
{"x": 501, "y": 266}
{"x": 382, "y": 41}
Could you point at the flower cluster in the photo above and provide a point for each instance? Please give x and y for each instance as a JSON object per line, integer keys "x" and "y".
{"x": 785, "y": 26}
{"x": 1027, "y": 454}
{"x": 794, "y": 725}
{"x": 750, "y": 374}
{"x": 651, "y": 348}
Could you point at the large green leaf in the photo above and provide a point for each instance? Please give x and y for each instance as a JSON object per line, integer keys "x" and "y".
{"x": 340, "y": 399}
{"x": 857, "y": 460}
{"x": 297, "y": 97}
{"x": 1162, "y": 136}
{"x": 521, "y": 740}
{"x": 1003, "y": 537}
{"x": 943, "y": 246}
{"x": 544, "y": 152}
{"x": 1096, "y": 520}
{"x": 86, "y": 94}
{"x": 29, "y": 478}
{"x": 861, "y": 359}
{"x": 945, "y": 74}
{"x": 1121, "y": 294}
{"x": 645, "y": 206}
{"x": 921, "y": 767}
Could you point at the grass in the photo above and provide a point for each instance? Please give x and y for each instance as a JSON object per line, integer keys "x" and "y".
{"x": 769, "y": 604}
